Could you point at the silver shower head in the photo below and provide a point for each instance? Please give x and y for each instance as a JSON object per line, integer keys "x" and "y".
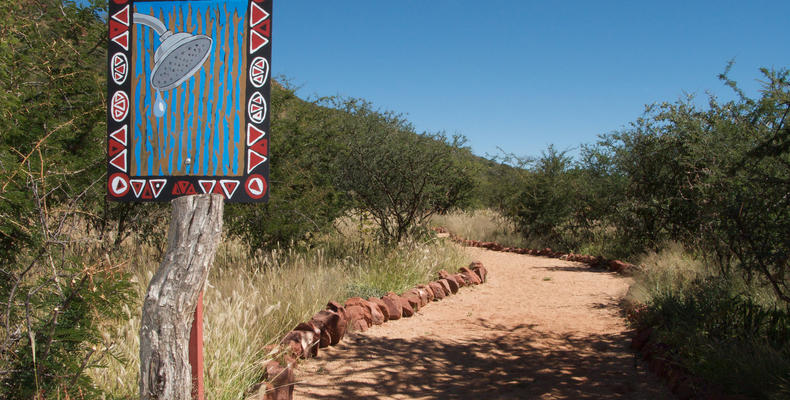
{"x": 179, "y": 55}
{"x": 178, "y": 58}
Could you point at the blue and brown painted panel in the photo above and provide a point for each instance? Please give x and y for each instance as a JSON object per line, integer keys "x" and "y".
{"x": 189, "y": 87}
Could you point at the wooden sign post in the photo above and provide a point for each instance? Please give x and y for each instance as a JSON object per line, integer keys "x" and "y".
{"x": 189, "y": 87}
{"x": 169, "y": 306}
{"x": 196, "y": 351}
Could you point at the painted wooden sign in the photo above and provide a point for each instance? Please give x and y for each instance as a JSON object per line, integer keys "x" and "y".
{"x": 188, "y": 99}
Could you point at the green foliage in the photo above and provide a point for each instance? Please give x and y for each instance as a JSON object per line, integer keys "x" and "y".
{"x": 330, "y": 154}
{"x": 304, "y": 200}
{"x": 253, "y": 301}
{"x": 544, "y": 202}
{"x": 59, "y": 236}
{"x": 337, "y": 154}
{"x": 397, "y": 176}
{"x": 481, "y": 224}
{"x": 61, "y": 345}
{"x": 714, "y": 179}
{"x": 398, "y": 268}
{"x": 50, "y": 112}
{"x": 565, "y": 204}
{"x": 58, "y": 280}
{"x": 722, "y": 335}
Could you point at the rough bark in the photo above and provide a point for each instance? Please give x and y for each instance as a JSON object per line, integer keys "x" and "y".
{"x": 195, "y": 231}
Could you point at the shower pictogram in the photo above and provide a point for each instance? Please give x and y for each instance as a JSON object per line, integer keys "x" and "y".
{"x": 179, "y": 57}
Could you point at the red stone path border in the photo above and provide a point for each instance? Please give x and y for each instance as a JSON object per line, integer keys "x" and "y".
{"x": 618, "y": 266}
{"x": 327, "y": 327}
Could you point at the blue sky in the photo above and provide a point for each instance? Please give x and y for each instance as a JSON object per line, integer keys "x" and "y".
{"x": 524, "y": 74}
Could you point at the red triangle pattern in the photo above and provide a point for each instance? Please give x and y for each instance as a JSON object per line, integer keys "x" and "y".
{"x": 113, "y": 147}
{"x": 256, "y": 41}
{"x": 119, "y": 73}
{"x": 207, "y": 186}
{"x": 217, "y": 189}
{"x": 147, "y": 193}
{"x": 179, "y": 188}
{"x": 118, "y": 184}
{"x": 229, "y": 186}
{"x": 256, "y": 186}
{"x": 120, "y": 135}
{"x": 122, "y": 16}
{"x": 253, "y": 134}
{"x": 119, "y": 67}
{"x": 261, "y": 147}
{"x": 119, "y": 105}
{"x": 257, "y": 14}
{"x": 254, "y": 160}
{"x": 122, "y": 40}
{"x": 117, "y": 28}
{"x": 265, "y": 28}
{"x": 259, "y": 71}
{"x": 137, "y": 186}
{"x": 119, "y": 161}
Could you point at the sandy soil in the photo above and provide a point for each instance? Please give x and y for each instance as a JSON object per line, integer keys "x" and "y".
{"x": 540, "y": 328}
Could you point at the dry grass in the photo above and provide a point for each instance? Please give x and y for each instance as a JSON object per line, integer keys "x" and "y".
{"x": 671, "y": 270}
{"x": 484, "y": 225}
{"x": 252, "y": 301}
{"x": 675, "y": 269}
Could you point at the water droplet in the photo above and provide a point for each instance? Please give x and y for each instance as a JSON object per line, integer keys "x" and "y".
{"x": 159, "y": 106}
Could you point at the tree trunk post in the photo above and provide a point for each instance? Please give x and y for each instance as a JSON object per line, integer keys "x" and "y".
{"x": 168, "y": 308}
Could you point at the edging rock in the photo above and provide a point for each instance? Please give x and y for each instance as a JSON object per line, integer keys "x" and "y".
{"x": 681, "y": 382}
{"x": 618, "y": 266}
{"x": 280, "y": 380}
{"x": 328, "y": 327}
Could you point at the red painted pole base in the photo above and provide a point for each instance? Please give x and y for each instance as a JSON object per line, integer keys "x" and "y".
{"x": 196, "y": 351}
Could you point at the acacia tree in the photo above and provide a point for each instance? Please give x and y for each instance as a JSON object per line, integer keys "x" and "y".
{"x": 397, "y": 176}
{"x": 716, "y": 179}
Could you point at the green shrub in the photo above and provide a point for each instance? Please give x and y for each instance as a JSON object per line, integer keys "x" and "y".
{"x": 60, "y": 280}
{"x": 720, "y": 334}
{"x": 400, "y": 178}
{"x": 304, "y": 199}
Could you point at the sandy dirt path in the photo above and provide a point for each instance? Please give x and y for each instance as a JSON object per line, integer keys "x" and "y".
{"x": 540, "y": 328}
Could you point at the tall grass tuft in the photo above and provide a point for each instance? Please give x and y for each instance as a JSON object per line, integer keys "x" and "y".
{"x": 670, "y": 270}
{"x": 252, "y": 301}
{"x": 484, "y": 225}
